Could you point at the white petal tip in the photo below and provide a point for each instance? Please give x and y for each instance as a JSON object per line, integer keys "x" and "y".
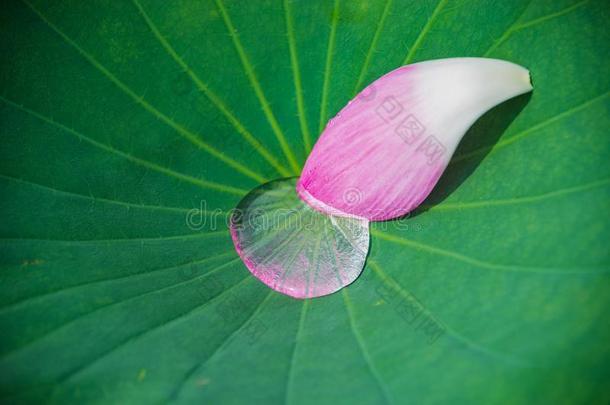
{"x": 528, "y": 79}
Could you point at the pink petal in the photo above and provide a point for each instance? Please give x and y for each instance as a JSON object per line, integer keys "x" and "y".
{"x": 381, "y": 156}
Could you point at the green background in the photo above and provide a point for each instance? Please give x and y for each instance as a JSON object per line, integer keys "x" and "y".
{"x": 117, "y": 118}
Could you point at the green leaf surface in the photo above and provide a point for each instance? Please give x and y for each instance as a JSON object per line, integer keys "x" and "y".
{"x": 120, "y": 118}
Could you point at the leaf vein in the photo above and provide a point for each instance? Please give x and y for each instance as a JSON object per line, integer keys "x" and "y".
{"x": 363, "y": 350}
{"x": 327, "y": 66}
{"x": 213, "y": 97}
{"x": 136, "y": 160}
{"x": 126, "y": 204}
{"x": 258, "y": 90}
{"x": 100, "y": 241}
{"x": 182, "y": 131}
{"x": 519, "y": 200}
{"x": 471, "y": 344}
{"x": 482, "y": 263}
{"x": 369, "y": 54}
{"x": 518, "y": 27}
{"x": 523, "y": 134}
{"x": 176, "y": 391}
{"x": 424, "y": 31}
{"x": 296, "y": 74}
{"x": 299, "y": 331}
{"x": 136, "y": 336}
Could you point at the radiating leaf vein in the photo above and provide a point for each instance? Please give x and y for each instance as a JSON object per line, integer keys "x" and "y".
{"x": 296, "y": 74}
{"x": 175, "y": 394}
{"x": 249, "y": 70}
{"x": 365, "y": 354}
{"x": 141, "y": 162}
{"x": 125, "y": 342}
{"x": 530, "y": 130}
{"x": 187, "y": 134}
{"x": 213, "y": 97}
{"x": 482, "y": 263}
{"x": 518, "y": 200}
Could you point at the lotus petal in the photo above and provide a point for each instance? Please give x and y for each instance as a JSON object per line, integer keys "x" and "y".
{"x": 382, "y": 154}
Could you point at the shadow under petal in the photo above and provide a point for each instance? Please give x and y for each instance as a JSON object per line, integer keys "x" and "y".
{"x": 484, "y": 134}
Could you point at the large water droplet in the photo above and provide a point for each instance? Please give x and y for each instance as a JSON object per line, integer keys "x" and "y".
{"x": 293, "y": 248}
